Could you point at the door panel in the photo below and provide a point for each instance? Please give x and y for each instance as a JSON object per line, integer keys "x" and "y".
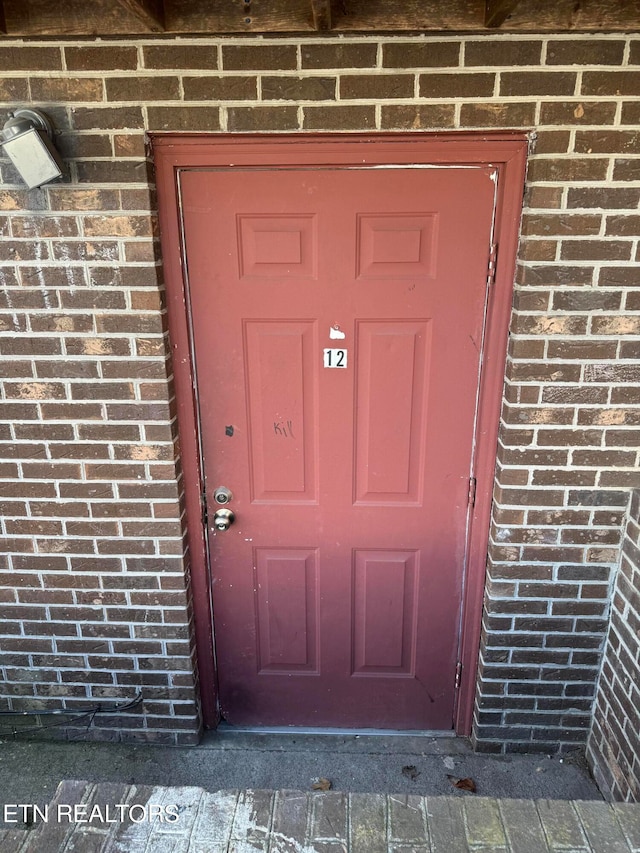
{"x": 337, "y": 590}
{"x": 280, "y": 384}
{"x": 391, "y": 389}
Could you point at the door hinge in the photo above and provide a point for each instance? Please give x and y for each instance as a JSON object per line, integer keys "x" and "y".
{"x": 458, "y": 674}
{"x": 493, "y": 262}
{"x": 472, "y": 491}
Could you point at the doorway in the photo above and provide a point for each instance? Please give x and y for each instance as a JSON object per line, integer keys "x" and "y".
{"x": 343, "y": 326}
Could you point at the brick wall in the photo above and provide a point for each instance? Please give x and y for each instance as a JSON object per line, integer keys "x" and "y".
{"x": 93, "y": 596}
{"x": 614, "y": 740}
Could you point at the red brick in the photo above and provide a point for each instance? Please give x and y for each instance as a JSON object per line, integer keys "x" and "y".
{"x": 103, "y": 391}
{"x": 132, "y": 198}
{"x": 113, "y": 171}
{"x": 630, "y": 112}
{"x": 545, "y": 372}
{"x": 112, "y": 471}
{"x": 595, "y": 250}
{"x": 628, "y": 349}
{"x": 537, "y": 415}
{"x": 498, "y": 115}
{"x": 611, "y": 83}
{"x": 63, "y": 89}
{"x": 107, "y": 58}
{"x": 574, "y": 169}
{"x": 537, "y": 83}
{"x": 107, "y": 118}
{"x": 538, "y": 250}
{"x": 552, "y": 142}
{"x": 603, "y": 197}
{"x": 136, "y": 88}
{"x": 229, "y": 88}
{"x": 72, "y": 411}
{"x": 626, "y": 170}
{"x": 23, "y": 250}
{"x": 420, "y": 55}
{"x": 18, "y": 199}
{"x": 616, "y": 325}
{"x": 507, "y": 53}
{"x": 587, "y": 52}
{"x": 259, "y": 57}
{"x": 604, "y": 458}
{"x": 141, "y": 252}
{"x": 624, "y": 479}
{"x": 129, "y": 145}
{"x": 607, "y": 141}
{"x": 561, "y": 224}
{"x": 347, "y": 117}
{"x": 456, "y": 85}
{"x": 330, "y": 54}
{"x": 25, "y": 57}
{"x": 44, "y": 226}
{"x": 376, "y": 86}
{"x": 118, "y": 226}
{"x": 623, "y": 226}
{"x": 95, "y": 250}
{"x": 577, "y": 112}
{"x": 262, "y": 118}
{"x": 416, "y": 117}
{"x": 29, "y": 346}
{"x": 171, "y": 56}
{"x": 587, "y": 300}
{"x": 141, "y": 324}
{"x": 543, "y": 197}
{"x": 609, "y": 417}
{"x": 14, "y": 89}
{"x": 559, "y": 324}
{"x": 298, "y": 88}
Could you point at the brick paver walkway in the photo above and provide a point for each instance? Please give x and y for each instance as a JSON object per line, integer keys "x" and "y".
{"x": 117, "y": 820}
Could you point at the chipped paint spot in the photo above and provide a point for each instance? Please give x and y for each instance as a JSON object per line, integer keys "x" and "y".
{"x": 95, "y": 346}
{"x": 144, "y": 451}
{"x": 63, "y": 324}
{"x": 34, "y": 390}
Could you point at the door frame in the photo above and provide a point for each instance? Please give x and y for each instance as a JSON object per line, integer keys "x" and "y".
{"x": 505, "y": 151}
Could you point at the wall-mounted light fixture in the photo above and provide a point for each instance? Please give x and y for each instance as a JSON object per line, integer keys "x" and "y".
{"x": 27, "y": 139}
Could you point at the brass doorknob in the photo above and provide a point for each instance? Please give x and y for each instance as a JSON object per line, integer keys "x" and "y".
{"x": 223, "y": 519}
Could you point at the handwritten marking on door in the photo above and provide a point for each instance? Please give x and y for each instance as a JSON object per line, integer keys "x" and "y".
{"x": 283, "y": 428}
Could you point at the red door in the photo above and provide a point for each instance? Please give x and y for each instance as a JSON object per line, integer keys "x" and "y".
{"x": 337, "y": 322}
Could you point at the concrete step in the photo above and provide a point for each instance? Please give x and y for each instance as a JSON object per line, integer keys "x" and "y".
{"x": 113, "y": 818}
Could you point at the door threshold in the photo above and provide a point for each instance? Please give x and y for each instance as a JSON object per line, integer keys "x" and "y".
{"x": 227, "y": 728}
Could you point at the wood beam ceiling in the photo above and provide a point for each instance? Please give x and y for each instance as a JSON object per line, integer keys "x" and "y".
{"x": 321, "y": 10}
{"x": 51, "y": 18}
{"x": 150, "y": 13}
{"x": 497, "y": 11}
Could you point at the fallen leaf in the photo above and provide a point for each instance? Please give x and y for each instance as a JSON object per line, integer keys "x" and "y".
{"x": 410, "y": 771}
{"x": 463, "y": 784}
{"x": 321, "y": 785}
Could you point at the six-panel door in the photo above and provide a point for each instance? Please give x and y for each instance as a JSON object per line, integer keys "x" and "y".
{"x": 337, "y": 320}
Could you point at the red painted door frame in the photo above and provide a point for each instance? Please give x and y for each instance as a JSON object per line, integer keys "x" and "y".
{"x": 506, "y": 152}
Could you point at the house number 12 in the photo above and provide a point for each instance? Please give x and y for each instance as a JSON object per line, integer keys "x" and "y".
{"x": 335, "y": 358}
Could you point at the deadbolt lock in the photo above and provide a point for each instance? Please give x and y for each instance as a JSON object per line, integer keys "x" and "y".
{"x": 222, "y": 495}
{"x": 223, "y": 519}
